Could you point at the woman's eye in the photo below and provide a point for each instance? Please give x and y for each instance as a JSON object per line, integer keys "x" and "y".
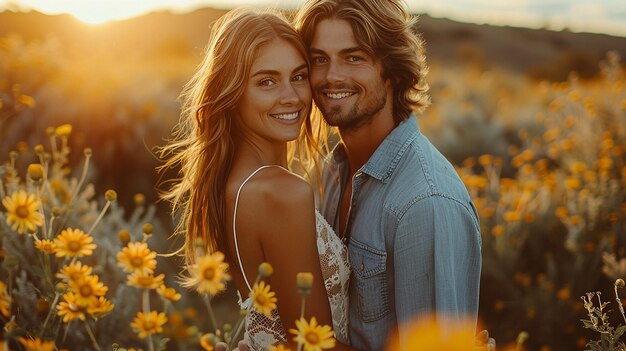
{"x": 266, "y": 82}
{"x": 300, "y": 77}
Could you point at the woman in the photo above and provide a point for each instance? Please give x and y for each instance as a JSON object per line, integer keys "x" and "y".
{"x": 247, "y": 100}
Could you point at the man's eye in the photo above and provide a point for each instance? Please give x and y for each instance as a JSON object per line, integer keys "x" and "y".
{"x": 354, "y": 58}
{"x": 318, "y": 60}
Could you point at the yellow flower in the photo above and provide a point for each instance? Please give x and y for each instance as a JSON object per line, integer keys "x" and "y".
{"x": 74, "y": 271}
{"x": 578, "y": 167}
{"x": 100, "y": 307}
{"x": 168, "y": 293}
{"x": 572, "y": 183}
{"x": 313, "y": 337}
{"x": 137, "y": 257}
{"x": 512, "y": 216}
{"x": 207, "y": 342}
{"x": 145, "y": 280}
{"x": 426, "y": 334}
{"x": 264, "y": 299}
{"x": 5, "y": 300}
{"x": 36, "y": 344}
{"x": 69, "y": 309}
{"x": 485, "y": 160}
{"x": 497, "y": 230}
{"x": 563, "y": 294}
{"x": 147, "y": 324}
{"x": 74, "y": 243}
{"x": 87, "y": 290}
{"x": 279, "y": 347}
{"x": 45, "y": 246}
{"x": 561, "y": 212}
{"x": 63, "y": 130}
{"x": 208, "y": 274}
{"x": 23, "y": 211}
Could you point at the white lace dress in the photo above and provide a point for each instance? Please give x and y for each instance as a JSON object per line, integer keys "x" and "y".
{"x": 261, "y": 330}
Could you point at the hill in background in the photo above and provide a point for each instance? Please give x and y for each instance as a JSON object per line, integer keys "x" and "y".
{"x": 537, "y": 52}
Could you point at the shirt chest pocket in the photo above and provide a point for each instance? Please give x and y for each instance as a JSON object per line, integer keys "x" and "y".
{"x": 369, "y": 266}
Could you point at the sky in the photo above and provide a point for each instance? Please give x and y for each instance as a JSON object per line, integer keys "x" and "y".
{"x": 598, "y": 16}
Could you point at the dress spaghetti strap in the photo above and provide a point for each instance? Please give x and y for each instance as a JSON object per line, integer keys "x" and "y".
{"x": 235, "y": 222}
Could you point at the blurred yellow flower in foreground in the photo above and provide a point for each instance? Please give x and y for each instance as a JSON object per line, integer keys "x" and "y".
{"x": 137, "y": 257}
{"x": 427, "y": 335}
{"x": 23, "y": 211}
{"x": 264, "y": 299}
{"x": 314, "y": 337}
{"x": 206, "y": 342}
{"x": 36, "y": 344}
{"x": 151, "y": 323}
{"x": 74, "y": 243}
{"x": 5, "y": 300}
{"x": 209, "y": 274}
{"x": 74, "y": 271}
{"x": 145, "y": 280}
{"x": 279, "y": 347}
{"x": 69, "y": 309}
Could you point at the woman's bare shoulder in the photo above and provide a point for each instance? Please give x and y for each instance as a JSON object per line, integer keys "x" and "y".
{"x": 276, "y": 187}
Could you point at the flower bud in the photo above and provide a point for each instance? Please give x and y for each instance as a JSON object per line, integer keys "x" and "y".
{"x": 147, "y": 228}
{"x": 39, "y": 150}
{"x": 63, "y": 130}
{"x": 265, "y": 270}
{"x": 50, "y": 131}
{"x": 57, "y": 211}
{"x": 13, "y": 155}
{"x": 619, "y": 283}
{"x": 124, "y": 237}
{"x": 110, "y": 195}
{"x": 47, "y": 157}
{"x": 139, "y": 199}
{"x": 60, "y": 287}
{"x": 304, "y": 281}
{"x": 35, "y": 171}
{"x": 87, "y": 152}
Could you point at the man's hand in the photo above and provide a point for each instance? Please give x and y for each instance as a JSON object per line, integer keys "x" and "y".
{"x": 484, "y": 342}
{"x": 222, "y": 346}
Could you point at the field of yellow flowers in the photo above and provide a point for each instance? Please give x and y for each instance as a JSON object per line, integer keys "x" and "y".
{"x": 545, "y": 163}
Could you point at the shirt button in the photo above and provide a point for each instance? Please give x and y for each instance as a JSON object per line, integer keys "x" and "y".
{"x": 362, "y": 267}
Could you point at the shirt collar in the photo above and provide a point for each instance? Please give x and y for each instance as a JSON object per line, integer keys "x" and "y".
{"x": 386, "y": 157}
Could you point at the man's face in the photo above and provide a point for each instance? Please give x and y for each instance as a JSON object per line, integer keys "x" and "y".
{"x": 347, "y": 83}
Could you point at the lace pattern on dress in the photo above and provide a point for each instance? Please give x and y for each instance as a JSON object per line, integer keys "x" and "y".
{"x": 262, "y": 330}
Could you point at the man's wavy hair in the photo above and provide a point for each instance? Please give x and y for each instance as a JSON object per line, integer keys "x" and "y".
{"x": 384, "y": 30}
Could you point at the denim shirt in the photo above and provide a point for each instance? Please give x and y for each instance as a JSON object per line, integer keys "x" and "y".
{"x": 414, "y": 239}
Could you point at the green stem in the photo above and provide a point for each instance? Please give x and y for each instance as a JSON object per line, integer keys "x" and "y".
{"x": 104, "y": 210}
{"x": 52, "y": 307}
{"x": 146, "y": 310}
{"x": 43, "y": 214}
{"x": 302, "y": 304}
{"x": 207, "y": 302}
{"x": 619, "y": 303}
{"x": 80, "y": 182}
{"x": 238, "y": 328}
{"x": 91, "y": 336}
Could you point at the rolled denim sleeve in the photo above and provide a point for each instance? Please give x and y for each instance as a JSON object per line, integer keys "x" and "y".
{"x": 437, "y": 260}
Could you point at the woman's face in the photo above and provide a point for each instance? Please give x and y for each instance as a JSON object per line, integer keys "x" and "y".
{"x": 277, "y": 95}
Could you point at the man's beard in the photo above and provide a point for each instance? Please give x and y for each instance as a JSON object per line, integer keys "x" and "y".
{"x": 360, "y": 114}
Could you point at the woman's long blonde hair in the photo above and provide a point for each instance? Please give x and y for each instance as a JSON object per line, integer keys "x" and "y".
{"x": 202, "y": 145}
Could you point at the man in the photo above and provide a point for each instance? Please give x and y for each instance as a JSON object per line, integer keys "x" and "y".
{"x": 411, "y": 228}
